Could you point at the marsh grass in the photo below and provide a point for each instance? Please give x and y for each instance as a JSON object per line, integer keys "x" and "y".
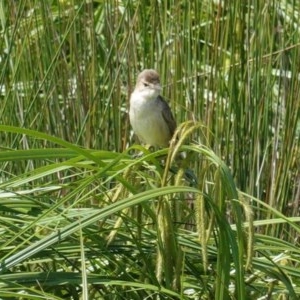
{"x": 83, "y": 218}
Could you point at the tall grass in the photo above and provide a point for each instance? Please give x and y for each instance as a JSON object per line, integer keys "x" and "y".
{"x": 81, "y": 217}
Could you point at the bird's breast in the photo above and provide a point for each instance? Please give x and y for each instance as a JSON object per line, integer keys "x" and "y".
{"x": 147, "y": 121}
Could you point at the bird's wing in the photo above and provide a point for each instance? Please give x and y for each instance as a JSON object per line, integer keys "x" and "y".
{"x": 167, "y": 115}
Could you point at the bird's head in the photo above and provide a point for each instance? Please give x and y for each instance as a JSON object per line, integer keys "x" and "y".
{"x": 148, "y": 83}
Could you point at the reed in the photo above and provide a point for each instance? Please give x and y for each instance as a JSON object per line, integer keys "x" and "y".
{"x": 83, "y": 217}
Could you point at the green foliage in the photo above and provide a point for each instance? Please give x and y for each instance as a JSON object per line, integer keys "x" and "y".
{"x": 83, "y": 216}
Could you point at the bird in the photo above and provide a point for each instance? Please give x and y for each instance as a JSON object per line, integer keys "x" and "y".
{"x": 150, "y": 115}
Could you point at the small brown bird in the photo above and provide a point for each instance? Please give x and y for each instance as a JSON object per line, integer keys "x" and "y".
{"x": 150, "y": 115}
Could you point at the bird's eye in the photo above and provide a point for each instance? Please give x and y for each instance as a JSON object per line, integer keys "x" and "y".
{"x": 146, "y": 84}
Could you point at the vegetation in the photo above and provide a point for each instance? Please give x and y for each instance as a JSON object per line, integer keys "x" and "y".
{"x": 86, "y": 212}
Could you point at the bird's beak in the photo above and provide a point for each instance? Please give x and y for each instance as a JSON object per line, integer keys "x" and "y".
{"x": 157, "y": 87}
